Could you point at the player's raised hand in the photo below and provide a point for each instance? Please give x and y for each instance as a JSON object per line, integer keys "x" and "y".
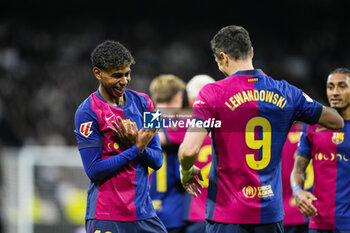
{"x": 144, "y": 136}
{"x": 304, "y": 201}
{"x": 190, "y": 182}
{"x": 127, "y": 134}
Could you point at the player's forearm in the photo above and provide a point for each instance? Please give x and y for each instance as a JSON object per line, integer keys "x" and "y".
{"x": 331, "y": 119}
{"x": 297, "y": 177}
{"x": 190, "y": 146}
{"x": 152, "y": 157}
{"x": 98, "y": 169}
{"x": 187, "y": 155}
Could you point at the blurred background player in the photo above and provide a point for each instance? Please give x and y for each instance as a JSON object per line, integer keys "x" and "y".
{"x": 116, "y": 157}
{"x": 195, "y": 207}
{"x": 294, "y": 221}
{"x": 195, "y": 85}
{"x": 166, "y": 191}
{"x": 329, "y": 205}
{"x": 256, "y": 113}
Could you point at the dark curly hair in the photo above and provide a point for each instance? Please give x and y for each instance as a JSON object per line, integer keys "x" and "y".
{"x": 232, "y": 40}
{"x": 111, "y": 54}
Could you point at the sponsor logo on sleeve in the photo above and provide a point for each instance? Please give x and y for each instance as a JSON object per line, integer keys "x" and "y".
{"x": 85, "y": 129}
{"x": 308, "y": 99}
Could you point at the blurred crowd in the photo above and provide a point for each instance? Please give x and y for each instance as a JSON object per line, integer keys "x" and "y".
{"x": 45, "y": 61}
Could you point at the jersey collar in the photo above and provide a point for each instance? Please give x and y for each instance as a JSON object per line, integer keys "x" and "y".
{"x": 248, "y": 72}
{"x": 98, "y": 94}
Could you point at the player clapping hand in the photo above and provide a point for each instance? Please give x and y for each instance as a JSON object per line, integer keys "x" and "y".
{"x": 129, "y": 134}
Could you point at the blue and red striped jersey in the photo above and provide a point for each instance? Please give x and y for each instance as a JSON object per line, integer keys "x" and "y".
{"x": 119, "y": 188}
{"x": 256, "y": 113}
{"x": 330, "y": 152}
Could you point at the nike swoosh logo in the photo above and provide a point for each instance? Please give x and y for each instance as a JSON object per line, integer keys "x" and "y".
{"x": 108, "y": 118}
{"x": 320, "y": 129}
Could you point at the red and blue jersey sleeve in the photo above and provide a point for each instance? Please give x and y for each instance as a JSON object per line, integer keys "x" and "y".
{"x": 308, "y": 110}
{"x": 87, "y": 126}
{"x": 304, "y": 148}
{"x": 146, "y": 101}
{"x": 201, "y": 108}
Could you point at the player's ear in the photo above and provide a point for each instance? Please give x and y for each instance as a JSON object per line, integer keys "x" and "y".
{"x": 226, "y": 59}
{"x": 97, "y": 72}
{"x": 251, "y": 52}
{"x": 222, "y": 55}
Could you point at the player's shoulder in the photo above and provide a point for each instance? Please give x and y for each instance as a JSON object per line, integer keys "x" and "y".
{"x": 281, "y": 84}
{"x": 212, "y": 88}
{"x": 84, "y": 112}
{"x": 137, "y": 95}
{"x": 139, "y": 98}
{"x": 346, "y": 123}
{"x": 287, "y": 89}
{"x": 85, "y": 105}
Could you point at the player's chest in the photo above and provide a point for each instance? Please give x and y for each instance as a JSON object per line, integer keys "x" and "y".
{"x": 110, "y": 116}
{"x": 330, "y": 147}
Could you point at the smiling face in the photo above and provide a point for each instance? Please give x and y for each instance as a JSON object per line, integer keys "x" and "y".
{"x": 113, "y": 83}
{"x": 338, "y": 91}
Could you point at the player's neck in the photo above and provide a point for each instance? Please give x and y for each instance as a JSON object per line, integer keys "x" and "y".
{"x": 113, "y": 100}
{"x": 241, "y": 65}
{"x": 344, "y": 113}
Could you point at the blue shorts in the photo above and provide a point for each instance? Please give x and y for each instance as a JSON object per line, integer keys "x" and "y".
{"x": 302, "y": 228}
{"x": 328, "y": 231}
{"x": 194, "y": 227}
{"x": 176, "y": 229}
{"x": 151, "y": 225}
{"x": 216, "y": 227}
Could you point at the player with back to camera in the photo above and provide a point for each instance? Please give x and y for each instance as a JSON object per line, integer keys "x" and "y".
{"x": 329, "y": 205}
{"x": 256, "y": 113}
{"x": 115, "y": 154}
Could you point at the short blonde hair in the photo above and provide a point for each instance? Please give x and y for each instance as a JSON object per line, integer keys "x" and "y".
{"x": 164, "y": 87}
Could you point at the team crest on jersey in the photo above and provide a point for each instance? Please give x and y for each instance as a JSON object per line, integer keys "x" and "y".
{"x": 85, "y": 129}
{"x": 249, "y": 192}
{"x": 338, "y": 138}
